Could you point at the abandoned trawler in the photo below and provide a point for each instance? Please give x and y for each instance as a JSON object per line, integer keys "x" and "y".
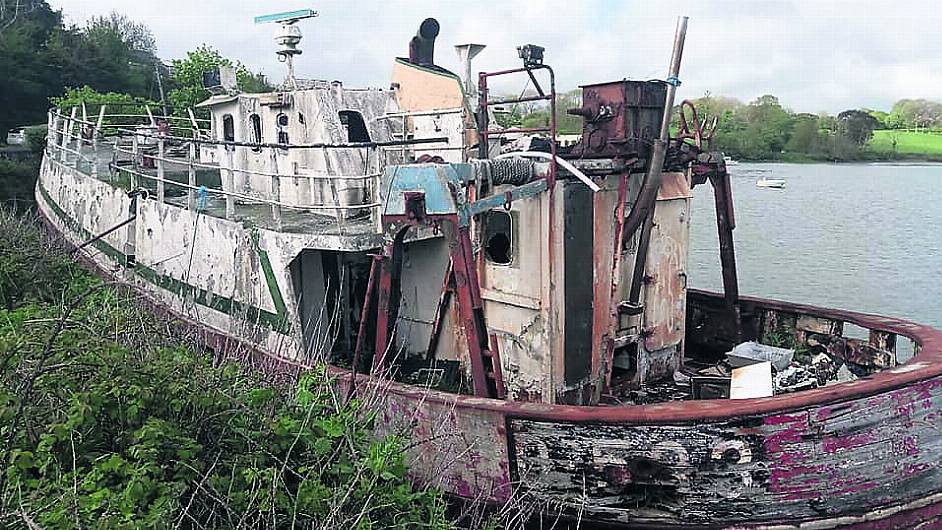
{"x": 525, "y": 314}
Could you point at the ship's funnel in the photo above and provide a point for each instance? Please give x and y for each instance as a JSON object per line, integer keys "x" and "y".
{"x": 467, "y": 52}
{"x": 422, "y": 46}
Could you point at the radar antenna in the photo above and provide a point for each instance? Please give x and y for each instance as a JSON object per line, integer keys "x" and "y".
{"x": 288, "y": 37}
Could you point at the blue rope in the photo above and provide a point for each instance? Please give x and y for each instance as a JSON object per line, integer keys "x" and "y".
{"x": 672, "y": 80}
{"x": 203, "y": 196}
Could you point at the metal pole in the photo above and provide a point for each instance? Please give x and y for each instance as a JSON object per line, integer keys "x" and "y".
{"x": 191, "y": 176}
{"x": 643, "y": 212}
{"x": 652, "y": 179}
{"x": 230, "y": 184}
{"x": 161, "y": 149}
{"x": 160, "y": 88}
{"x": 67, "y": 137}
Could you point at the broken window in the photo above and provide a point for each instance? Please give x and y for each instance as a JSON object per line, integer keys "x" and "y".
{"x": 356, "y": 129}
{"x": 255, "y": 123}
{"x": 228, "y": 128}
{"x": 498, "y": 237}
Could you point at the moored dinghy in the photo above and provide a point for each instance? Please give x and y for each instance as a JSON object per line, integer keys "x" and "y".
{"x": 770, "y": 182}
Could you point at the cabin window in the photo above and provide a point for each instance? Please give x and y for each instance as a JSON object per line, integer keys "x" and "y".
{"x": 301, "y": 118}
{"x": 356, "y": 129}
{"x": 255, "y": 124}
{"x": 282, "y": 120}
{"x": 228, "y": 128}
{"x": 498, "y": 237}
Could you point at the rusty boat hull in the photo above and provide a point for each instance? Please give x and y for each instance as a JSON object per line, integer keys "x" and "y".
{"x": 854, "y": 455}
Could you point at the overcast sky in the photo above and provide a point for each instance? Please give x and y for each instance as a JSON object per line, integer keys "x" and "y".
{"x": 816, "y": 55}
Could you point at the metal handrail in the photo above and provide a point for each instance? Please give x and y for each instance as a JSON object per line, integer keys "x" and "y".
{"x": 231, "y": 143}
{"x": 64, "y": 136}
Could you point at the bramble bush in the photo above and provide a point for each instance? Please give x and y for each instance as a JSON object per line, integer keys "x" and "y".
{"x": 110, "y": 421}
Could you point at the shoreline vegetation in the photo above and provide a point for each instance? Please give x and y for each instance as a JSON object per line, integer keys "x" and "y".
{"x": 111, "y": 419}
{"x": 764, "y": 130}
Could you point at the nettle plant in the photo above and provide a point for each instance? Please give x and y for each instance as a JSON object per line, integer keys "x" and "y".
{"x": 108, "y": 421}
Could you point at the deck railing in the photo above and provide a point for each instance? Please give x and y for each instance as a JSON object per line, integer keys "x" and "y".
{"x": 82, "y": 143}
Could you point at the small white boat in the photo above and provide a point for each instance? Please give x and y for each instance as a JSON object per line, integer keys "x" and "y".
{"x": 768, "y": 182}
{"x": 728, "y": 160}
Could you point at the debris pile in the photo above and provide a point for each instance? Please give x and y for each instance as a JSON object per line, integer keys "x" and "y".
{"x": 752, "y": 369}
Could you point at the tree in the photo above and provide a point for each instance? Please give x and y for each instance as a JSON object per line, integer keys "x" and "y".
{"x": 27, "y": 80}
{"x": 188, "y": 77}
{"x": 916, "y": 113}
{"x": 11, "y": 11}
{"x": 857, "y": 125}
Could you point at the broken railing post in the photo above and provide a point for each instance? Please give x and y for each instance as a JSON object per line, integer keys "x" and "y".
{"x": 67, "y": 135}
{"x": 135, "y": 161}
{"x": 191, "y": 175}
{"x": 161, "y": 149}
{"x": 229, "y": 183}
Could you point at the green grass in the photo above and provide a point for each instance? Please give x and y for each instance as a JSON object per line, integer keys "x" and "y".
{"x": 908, "y": 143}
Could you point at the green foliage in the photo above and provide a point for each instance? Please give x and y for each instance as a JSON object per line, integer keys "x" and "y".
{"x": 115, "y": 103}
{"x": 109, "y": 422}
{"x": 188, "y": 77}
{"x": 17, "y": 184}
{"x": 532, "y": 115}
{"x": 40, "y": 57}
{"x": 915, "y": 114}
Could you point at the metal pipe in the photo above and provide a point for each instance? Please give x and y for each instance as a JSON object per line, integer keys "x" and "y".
{"x": 422, "y": 46}
{"x": 560, "y": 161}
{"x": 643, "y": 211}
{"x": 652, "y": 179}
{"x": 105, "y": 233}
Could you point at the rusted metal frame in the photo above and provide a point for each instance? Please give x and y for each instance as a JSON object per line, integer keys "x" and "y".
{"x": 524, "y": 191}
{"x": 485, "y": 132}
{"x": 365, "y": 311}
{"x": 725, "y": 223}
{"x": 387, "y": 306}
{"x": 536, "y": 84}
{"x": 486, "y": 374}
{"x": 639, "y": 275}
{"x": 607, "y": 353}
{"x": 485, "y": 363}
{"x": 448, "y": 287}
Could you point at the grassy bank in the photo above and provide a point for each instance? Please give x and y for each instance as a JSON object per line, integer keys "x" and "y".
{"x": 909, "y": 144}
{"x": 107, "y": 420}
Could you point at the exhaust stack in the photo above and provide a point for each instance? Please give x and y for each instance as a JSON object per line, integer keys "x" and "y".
{"x": 422, "y": 46}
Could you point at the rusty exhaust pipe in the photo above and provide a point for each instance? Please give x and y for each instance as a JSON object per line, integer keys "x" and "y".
{"x": 643, "y": 212}
{"x": 422, "y": 46}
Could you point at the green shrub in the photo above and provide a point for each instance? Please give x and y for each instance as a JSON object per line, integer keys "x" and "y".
{"x": 17, "y": 183}
{"x": 109, "y": 421}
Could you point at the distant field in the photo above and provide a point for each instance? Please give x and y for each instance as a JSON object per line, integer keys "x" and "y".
{"x": 907, "y": 143}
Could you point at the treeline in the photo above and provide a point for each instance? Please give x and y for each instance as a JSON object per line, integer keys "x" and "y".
{"x": 764, "y": 129}
{"x": 42, "y": 58}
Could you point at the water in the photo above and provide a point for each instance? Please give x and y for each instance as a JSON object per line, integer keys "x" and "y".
{"x": 866, "y": 237}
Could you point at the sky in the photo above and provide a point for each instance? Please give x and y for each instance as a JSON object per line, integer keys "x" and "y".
{"x": 815, "y": 55}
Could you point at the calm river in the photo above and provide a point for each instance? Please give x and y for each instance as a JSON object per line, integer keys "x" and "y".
{"x": 862, "y": 237}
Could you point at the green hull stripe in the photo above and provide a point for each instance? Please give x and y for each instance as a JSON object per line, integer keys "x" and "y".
{"x": 277, "y": 322}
